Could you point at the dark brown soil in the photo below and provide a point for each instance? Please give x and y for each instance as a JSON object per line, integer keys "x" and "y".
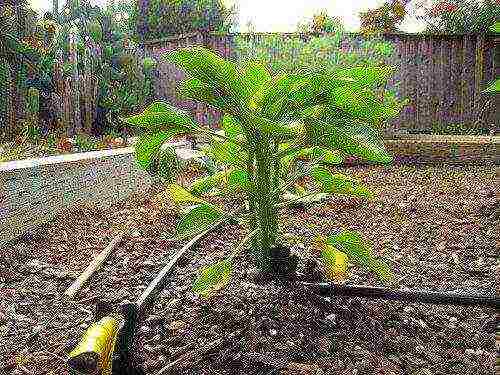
{"x": 436, "y": 226}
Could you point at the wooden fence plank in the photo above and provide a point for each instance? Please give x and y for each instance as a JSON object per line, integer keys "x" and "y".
{"x": 478, "y": 74}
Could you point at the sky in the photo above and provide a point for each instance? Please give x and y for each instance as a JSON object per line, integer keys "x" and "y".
{"x": 283, "y": 15}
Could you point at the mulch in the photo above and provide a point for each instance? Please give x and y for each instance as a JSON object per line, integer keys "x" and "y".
{"x": 435, "y": 226}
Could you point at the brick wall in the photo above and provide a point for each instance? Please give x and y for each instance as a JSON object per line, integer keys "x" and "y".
{"x": 33, "y": 191}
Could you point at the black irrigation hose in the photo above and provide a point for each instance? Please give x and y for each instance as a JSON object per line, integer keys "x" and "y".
{"x": 422, "y": 296}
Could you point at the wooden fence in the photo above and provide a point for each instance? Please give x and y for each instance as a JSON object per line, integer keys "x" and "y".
{"x": 442, "y": 76}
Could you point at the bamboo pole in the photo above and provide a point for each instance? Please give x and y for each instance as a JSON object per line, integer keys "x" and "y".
{"x": 96, "y": 263}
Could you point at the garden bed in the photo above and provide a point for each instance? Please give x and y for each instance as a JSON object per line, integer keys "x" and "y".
{"x": 435, "y": 226}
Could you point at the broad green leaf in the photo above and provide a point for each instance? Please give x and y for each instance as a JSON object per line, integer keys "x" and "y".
{"x": 149, "y": 144}
{"x": 331, "y": 157}
{"x": 362, "y": 104}
{"x": 356, "y": 139}
{"x": 493, "y": 87}
{"x": 197, "y": 219}
{"x": 195, "y": 89}
{"x": 367, "y": 76}
{"x": 351, "y": 243}
{"x": 321, "y": 154}
{"x": 256, "y": 76}
{"x": 179, "y": 195}
{"x": 335, "y": 263}
{"x": 238, "y": 181}
{"x": 314, "y": 90}
{"x": 167, "y": 165}
{"x": 162, "y": 116}
{"x": 231, "y": 126}
{"x": 205, "y": 184}
{"x": 213, "y": 278}
{"x": 211, "y": 69}
{"x": 276, "y": 128}
{"x": 226, "y": 152}
{"x": 271, "y": 99}
{"x": 495, "y": 27}
{"x": 338, "y": 183}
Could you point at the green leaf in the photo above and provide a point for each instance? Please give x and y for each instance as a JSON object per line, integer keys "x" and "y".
{"x": 211, "y": 69}
{"x": 197, "y": 219}
{"x": 339, "y": 184}
{"x": 226, "y": 152}
{"x": 335, "y": 263}
{"x": 179, "y": 195}
{"x": 205, "y": 184}
{"x": 493, "y": 87}
{"x": 256, "y": 76}
{"x": 356, "y": 139}
{"x": 314, "y": 90}
{"x": 351, "y": 243}
{"x": 238, "y": 181}
{"x": 231, "y": 126}
{"x": 149, "y": 144}
{"x": 276, "y": 128}
{"x": 367, "y": 76}
{"x": 161, "y": 116}
{"x": 362, "y": 104}
{"x": 495, "y": 27}
{"x": 271, "y": 98}
{"x": 195, "y": 89}
{"x": 167, "y": 164}
{"x": 321, "y": 154}
{"x": 213, "y": 278}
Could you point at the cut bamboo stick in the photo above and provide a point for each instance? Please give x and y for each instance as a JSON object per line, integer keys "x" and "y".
{"x": 95, "y": 264}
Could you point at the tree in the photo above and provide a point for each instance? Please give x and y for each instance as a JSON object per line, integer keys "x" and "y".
{"x": 459, "y": 16}
{"x": 384, "y": 19}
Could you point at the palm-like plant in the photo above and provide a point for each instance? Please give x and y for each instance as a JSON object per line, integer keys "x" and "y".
{"x": 269, "y": 125}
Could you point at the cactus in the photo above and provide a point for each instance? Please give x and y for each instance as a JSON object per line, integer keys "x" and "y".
{"x": 4, "y": 88}
{"x": 33, "y": 106}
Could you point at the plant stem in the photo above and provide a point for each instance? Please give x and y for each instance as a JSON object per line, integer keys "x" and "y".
{"x": 251, "y": 191}
{"x": 275, "y": 190}
{"x": 265, "y": 201}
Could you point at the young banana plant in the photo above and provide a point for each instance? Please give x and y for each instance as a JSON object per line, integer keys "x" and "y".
{"x": 270, "y": 126}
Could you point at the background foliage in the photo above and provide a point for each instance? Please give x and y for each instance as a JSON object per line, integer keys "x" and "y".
{"x": 459, "y": 16}
{"x": 154, "y": 19}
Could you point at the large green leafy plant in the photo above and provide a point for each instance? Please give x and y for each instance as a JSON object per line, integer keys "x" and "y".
{"x": 271, "y": 125}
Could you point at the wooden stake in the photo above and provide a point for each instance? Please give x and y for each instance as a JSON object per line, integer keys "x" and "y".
{"x": 95, "y": 264}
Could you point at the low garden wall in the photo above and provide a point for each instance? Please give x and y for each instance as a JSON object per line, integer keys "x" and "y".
{"x": 445, "y": 149}
{"x": 33, "y": 191}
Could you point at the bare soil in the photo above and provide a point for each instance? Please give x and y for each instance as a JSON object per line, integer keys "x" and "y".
{"x": 436, "y": 226}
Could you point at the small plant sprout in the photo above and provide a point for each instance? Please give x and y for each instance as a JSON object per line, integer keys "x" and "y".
{"x": 275, "y": 131}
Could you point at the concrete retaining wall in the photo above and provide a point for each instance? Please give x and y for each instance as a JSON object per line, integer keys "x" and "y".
{"x": 33, "y": 191}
